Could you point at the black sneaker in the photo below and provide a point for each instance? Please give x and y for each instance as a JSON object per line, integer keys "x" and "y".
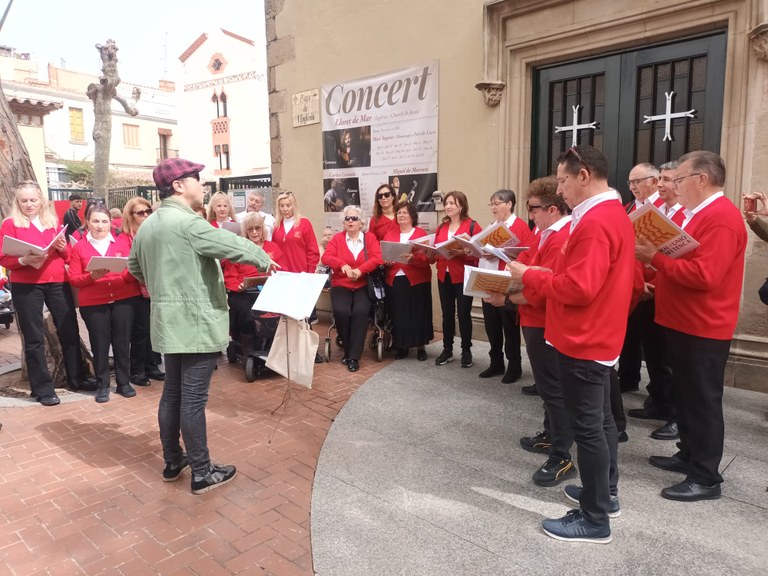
{"x": 574, "y": 527}
{"x": 540, "y": 443}
{"x": 172, "y": 472}
{"x": 102, "y": 395}
{"x": 217, "y": 476}
{"x": 466, "y": 359}
{"x": 554, "y": 471}
{"x": 126, "y": 391}
{"x": 573, "y": 492}
{"x": 445, "y": 357}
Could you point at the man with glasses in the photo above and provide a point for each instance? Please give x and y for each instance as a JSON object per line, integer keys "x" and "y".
{"x": 588, "y": 296}
{"x": 175, "y": 254}
{"x": 709, "y": 281}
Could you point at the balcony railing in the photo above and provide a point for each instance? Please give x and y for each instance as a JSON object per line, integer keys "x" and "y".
{"x": 165, "y": 153}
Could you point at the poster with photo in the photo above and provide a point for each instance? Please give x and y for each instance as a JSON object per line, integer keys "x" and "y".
{"x": 381, "y": 130}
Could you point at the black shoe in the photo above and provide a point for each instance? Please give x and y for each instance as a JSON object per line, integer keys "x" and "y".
{"x": 51, "y": 400}
{"x": 401, "y": 353}
{"x": 345, "y": 360}
{"x": 647, "y": 414}
{"x": 512, "y": 374}
{"x": 492, "y": 370}
{"x": 318, "y": 358}
{"x": 87, "y": 385}
{"x": 156, "y": 375}
{"x": 466, "y": 359}
{"x": 670, "y": 463}
{"x": 126, "y": 391}
{"x": 217, "y": 476}
{"x": 573, "y": 492}
{"x": 139, "y": 380}
{"x": 530, "y": 390}
{"x": 421, "y": 354}
{"x": 667, "y": 432}
{"x": 102, "y": 395}
{"x": 574, "y": 527}
{"x": 445, "y": 357}
{"x": 172, "y": 472}
{"x": 687, "y": 491}
{"x": 540, "y": 443}
{"x": 623, "y": 436}
{"x": 554, "y": 471}
{"x": 629, "y": 386}
{"x": 353, "y": 366}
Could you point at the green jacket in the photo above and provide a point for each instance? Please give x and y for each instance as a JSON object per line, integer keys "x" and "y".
{"x": 175, "y": 254}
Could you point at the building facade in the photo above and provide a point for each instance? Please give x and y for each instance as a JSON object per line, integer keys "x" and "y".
{"x": 521, "y": 80}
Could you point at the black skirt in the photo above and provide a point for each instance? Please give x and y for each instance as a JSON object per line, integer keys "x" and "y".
{"x": 410, "y": 308}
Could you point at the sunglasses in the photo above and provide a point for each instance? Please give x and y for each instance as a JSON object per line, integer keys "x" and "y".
{"x": 385, "y": 195}
{"x": 351, "y": 218}
{"x": 145, "y": 212}
{"x": 578, "y": 158}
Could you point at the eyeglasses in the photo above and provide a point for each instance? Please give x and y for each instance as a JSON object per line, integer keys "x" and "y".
{"x": 145, "y": 212}
{"x": 533, "y": 207}
{"x": 385, "y": 195}
{"x": 497, "y": 203}
{"x": 637, "y": 181}
{"x": 677, "y": 180}
{"x": 351, "y": 218}
{"x": 578, "y": 158}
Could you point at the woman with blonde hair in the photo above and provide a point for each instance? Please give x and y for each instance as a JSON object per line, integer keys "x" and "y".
{"x": 38, "y": 280}
{"x": 145, "y": 362}
{"x": 295, "y": 236}
{"x": 220, "y": 209}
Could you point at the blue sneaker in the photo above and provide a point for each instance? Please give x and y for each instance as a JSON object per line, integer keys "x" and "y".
{"x": 573, "y": 492}
{"x": 574, "y": 527}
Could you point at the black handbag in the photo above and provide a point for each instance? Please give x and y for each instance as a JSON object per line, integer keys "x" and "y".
{"x": 763, "y": 292}
{"x": 375, "y": 280}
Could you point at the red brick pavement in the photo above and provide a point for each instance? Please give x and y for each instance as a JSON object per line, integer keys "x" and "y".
{"x": 81, "y": 490}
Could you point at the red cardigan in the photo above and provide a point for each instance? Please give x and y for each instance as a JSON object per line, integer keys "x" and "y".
{"x": 381, "y": 226}
{"x": 534, "y": 313}
{"x": 52, "y": 269}
{"x": 110, "y": 287}
{"x": 236, "y": 272}
{"x": 337, "y": 254}
{"x": 419, "y": 270}
{"x": 455, "y": 266}
{"x": 588, "y": 294}
{"x": 299, "y": 247}
{"x": 699, "y": 292}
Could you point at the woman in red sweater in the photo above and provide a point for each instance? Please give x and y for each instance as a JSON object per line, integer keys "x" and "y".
{"x": 450, "y": 279}
{"x": 352, "y": 255}
{"x": 220, "y": 209}
{"x": 295, "y": 236}
{"x": 383, "y": 219}
{"x": 409, "y": 289}
{"x": 239, "y": 297}
{"x": 107, "y": 301}
{"x": 38, "y": 280}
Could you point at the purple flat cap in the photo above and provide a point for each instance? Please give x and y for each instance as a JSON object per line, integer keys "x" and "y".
{"x": 174, "y": 169}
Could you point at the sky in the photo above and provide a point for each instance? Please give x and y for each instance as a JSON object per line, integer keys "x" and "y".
{"x": 150, "y": 34}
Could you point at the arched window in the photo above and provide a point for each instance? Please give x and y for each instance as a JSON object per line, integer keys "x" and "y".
{"x": 215, "y": 100}
{"x": 223, "y": 99}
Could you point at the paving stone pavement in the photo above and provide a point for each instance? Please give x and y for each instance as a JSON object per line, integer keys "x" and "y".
{"x": 81, "y": 489}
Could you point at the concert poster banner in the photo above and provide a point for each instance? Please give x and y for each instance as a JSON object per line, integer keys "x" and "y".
{"x": 381, "y": 130}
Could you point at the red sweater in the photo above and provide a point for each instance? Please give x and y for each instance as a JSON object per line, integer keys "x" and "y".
{"x": 534, "y": 313}
{"x": 236, "y": 272}
{"x": 337, "y": 254}
{"x": 299, "y": 247}
{"x": 52, "y": 269}
{"x": 381, "y": 226}
{"x": 699, "y": 292}
{"x": 419, "y": 270}
{"x": 110, "y": 287}
{"x": 455, "y": 266}
{"x": 589, "y": 291}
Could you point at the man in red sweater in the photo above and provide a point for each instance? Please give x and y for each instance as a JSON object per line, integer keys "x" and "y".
{"x": 588, "y": 295}
{"x": 709, "y": 281}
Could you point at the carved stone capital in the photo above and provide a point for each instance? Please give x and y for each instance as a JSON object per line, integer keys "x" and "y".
{"x": 492, "y": 92}
{"x": 759, "y": 38}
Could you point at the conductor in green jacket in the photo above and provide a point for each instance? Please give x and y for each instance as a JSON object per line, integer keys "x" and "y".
{"x": 175, "y": 254}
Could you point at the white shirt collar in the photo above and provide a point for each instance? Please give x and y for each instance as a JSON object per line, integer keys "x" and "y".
{"x": 670, "y": 210}
{"x": 93, "y": 240}
{"x": 556, "y": 227}
{"x": 580, "y": 210}
{"x": 689, "y": 214}
{"x": 511, "y": 220}
{"x": 352, "y": 242}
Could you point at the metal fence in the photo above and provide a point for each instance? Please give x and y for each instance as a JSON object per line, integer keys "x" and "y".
{"x": 55, "y": 194}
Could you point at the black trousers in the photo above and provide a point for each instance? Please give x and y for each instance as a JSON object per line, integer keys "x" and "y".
{"x": 28, "y": 299}
{"x": 617, "y": 402}
{"x": 143, "y": 358}
{"x": 699, "y": 367}
{"x": 586, "y": 389}
{"x": 453, "y": 302}
{"x": 350, "y": 312}
{"x": 110, "y": 324}
{"x": 502, "y": 326}
{"x": 544, "y": 364}
{"x": 240, "y": 319}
